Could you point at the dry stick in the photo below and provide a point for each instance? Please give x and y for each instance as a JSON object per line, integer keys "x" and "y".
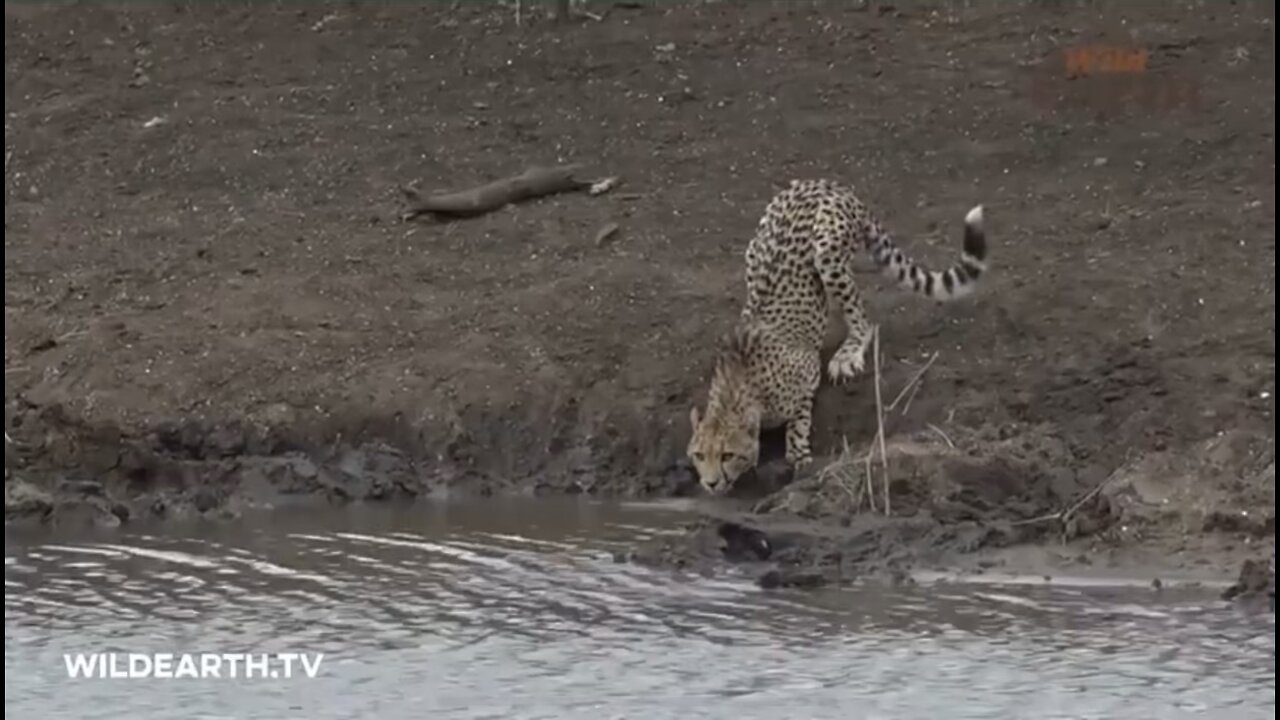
{"x": 944, "y": 436}
{"x": 915, "y": 379}
{"x": 1087, "y": 497}
{"x": 532, "y": 183}
{"x": 871, "y": 487}
{"x": 1066, "y": 514}
{"x": 884, "y": 454}
{"x": 907, "y": 405}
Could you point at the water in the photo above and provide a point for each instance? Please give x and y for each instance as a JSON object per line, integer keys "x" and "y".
{"x": 516, "y": 610}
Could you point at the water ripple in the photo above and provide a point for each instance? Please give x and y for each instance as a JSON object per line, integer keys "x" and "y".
{"x": 524, "y": 614}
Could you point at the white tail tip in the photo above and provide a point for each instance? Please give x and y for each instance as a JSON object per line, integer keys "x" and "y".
{"x": 974, "y": 217}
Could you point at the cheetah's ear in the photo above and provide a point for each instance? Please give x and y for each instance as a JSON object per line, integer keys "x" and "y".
{"x": 694, "y": 417}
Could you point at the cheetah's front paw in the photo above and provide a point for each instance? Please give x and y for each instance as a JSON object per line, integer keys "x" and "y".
{"x": 799, "y": 464}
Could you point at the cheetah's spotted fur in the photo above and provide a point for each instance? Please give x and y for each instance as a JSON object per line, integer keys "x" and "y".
{"x": 800, "y": 260}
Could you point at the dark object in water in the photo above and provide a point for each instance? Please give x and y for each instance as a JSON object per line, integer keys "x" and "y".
{"x": 742, "y": 543}
{"x": 788, "y": 578}
{"x": 1256, "y": 578}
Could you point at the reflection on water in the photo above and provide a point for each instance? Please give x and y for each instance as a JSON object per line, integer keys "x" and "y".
{"x": 516, "y": 609}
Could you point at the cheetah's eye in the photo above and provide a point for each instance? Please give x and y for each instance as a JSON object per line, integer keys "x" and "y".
{"x": 727, "y": 458}
{"x": 699, "y": 457}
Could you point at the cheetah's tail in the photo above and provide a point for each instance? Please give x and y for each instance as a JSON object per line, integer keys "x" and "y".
{"x": 953, "y": 283}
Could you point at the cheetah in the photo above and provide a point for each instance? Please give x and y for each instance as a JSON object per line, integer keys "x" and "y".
{"x": 799, "y": 273}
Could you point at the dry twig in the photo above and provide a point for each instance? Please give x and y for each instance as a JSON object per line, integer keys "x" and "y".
{"x": 915, "y": 380}
{"x": 884, "y": 454}
{"x": 1064, "y": 516}
{"x": 941, "y": 434}
{"x": 870, "y": 487}
{"x": 907, "y": 405}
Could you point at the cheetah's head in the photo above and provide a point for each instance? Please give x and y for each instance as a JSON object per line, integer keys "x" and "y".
{"x": 723, "y": 451}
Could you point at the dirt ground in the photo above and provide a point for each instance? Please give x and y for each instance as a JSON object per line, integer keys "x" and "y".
{"x": 211, "y": 299}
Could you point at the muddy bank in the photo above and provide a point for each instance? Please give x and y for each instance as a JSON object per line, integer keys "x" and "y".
{"x": 976, "y": 503}
{"x": 211, "y": 300}
{"x": 968, "y": 501}
{"x": 63, "y": 471}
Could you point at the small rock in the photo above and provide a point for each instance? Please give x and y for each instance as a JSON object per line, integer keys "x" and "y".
{"x": 83, "y": 514}
{"x": 900, "y": 578}
{"x": 1256, "y": 578}
{"x": 770, "y": 580}
{"x": 204, "y": 500}
{"x": 774, "y": 579}
{"x": 303, "y": 468}
{"x": 226, "y": 441}
{"x": 21, "y": 498}
{"x": 605, "y": 233}
{"x": 276, "y": 415}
